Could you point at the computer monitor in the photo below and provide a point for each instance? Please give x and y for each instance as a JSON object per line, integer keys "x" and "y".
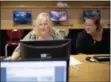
{"x": 48, "y": 49}
{"x": 34, "y": 71}
{"x": 58, "y": 15}
{"x": 21, "y": 17}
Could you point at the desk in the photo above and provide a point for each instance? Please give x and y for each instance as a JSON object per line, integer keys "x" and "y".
{"x": 89, "y": 71}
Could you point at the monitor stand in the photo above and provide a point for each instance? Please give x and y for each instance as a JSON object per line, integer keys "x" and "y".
{"x": 57, "y": 23}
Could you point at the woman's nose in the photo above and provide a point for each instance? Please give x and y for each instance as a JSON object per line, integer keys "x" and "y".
{"x": 43, "y": 26}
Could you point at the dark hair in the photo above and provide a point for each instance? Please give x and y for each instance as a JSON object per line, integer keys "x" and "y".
{"x": 96, "y": 21}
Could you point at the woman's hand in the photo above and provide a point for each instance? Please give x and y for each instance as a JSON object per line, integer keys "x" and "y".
{"x": 8, "y": 58}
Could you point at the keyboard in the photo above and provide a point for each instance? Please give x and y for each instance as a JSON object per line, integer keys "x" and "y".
{"x": 102, "y": 58}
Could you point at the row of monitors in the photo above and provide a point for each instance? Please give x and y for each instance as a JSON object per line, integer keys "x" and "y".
{"x": 25, "y": 17}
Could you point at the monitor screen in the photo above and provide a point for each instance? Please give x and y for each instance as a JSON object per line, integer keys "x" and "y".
{"x": 58, "y": 15}
{"x": 87, "y": 13}
{"x": 22, "y": 17}
{"x": 48, "y": 49}
{"x": 33, "y": 71}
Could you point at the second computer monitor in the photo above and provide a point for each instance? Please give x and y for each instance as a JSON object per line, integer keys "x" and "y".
{"x": 48, "y": 49}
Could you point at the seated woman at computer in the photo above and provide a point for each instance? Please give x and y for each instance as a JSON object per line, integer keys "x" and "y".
{"x": 94, "y": 39}
{"x": 43, "y": 30}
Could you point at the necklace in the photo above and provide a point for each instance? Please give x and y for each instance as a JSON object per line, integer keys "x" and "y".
{"x": 94, "y": 42}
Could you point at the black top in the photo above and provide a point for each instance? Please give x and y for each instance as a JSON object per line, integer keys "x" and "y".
{"x": 86, "y": 44}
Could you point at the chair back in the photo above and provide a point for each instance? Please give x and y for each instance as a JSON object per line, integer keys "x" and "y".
{"x": 15, "y": 34}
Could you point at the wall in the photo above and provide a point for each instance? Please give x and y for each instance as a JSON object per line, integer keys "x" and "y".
{"x": 75, "y": 11}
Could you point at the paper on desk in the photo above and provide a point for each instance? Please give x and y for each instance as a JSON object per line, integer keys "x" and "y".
{"x": 74, "y": 62}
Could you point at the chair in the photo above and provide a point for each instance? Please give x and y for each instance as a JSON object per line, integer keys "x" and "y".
{"x": 14, "y": 38}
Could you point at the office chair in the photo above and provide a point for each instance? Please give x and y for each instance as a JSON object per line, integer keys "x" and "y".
{"x": 14, "y": 36}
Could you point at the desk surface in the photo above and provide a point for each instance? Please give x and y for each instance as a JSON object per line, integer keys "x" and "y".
{"x": 24, "y": 27}
{"x": 89, "y": 71}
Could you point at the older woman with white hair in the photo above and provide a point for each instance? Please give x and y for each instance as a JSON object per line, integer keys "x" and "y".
{"x": 42, "y": 30}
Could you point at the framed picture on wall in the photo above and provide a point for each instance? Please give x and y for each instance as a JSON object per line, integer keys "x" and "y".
{"x": 91, "y": 12}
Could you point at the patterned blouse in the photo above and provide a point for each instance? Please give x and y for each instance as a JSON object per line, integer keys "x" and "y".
{"x": 31, "y": 36}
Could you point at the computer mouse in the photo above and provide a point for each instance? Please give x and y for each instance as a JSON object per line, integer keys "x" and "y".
{"x": 90, "y": 59}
